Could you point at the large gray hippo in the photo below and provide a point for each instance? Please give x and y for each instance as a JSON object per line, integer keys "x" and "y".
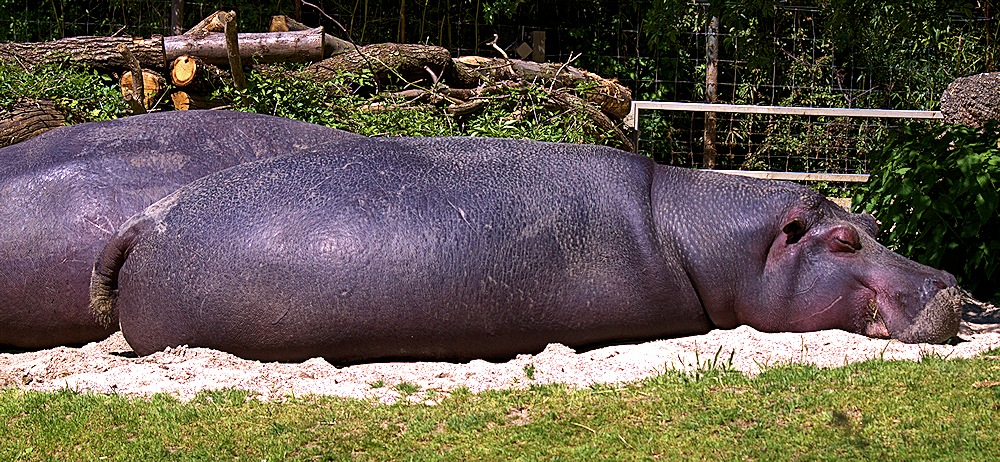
{"x": 460, "y": 248}
{"x": 64, "y": 193}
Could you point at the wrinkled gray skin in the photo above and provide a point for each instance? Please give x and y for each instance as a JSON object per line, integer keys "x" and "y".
{"x": 474, "y": 248}
{"x": 64, "y": 193}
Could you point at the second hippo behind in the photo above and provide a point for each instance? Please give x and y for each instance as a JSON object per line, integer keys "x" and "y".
{"x": 455, "y": 248}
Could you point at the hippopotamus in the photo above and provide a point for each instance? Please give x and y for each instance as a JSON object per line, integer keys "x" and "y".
{"x": 64, "y": 193}
{"x": 463, "y": 248}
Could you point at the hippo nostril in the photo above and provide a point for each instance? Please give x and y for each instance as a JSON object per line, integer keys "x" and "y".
{"x": 939, "y": 284}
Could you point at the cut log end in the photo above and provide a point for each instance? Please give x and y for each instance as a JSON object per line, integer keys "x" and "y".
{"x": 153, "y": 85}
{"x": 183, "y": 70}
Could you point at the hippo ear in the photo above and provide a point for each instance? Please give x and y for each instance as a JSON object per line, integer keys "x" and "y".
{"x": 795, "y": 227}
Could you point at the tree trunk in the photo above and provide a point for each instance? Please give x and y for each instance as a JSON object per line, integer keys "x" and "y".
{"x": 27, "y": 119}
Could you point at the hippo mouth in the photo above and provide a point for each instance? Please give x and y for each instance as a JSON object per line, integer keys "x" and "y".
{"x": 935, "y": 322}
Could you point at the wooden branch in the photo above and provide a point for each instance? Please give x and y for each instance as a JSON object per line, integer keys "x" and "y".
{"x": 566, "y": 101}
{"x": 388, "y": 62}
{"x": 26, "y": 119}
{"x": 233, "y": 47}
{"x": 613, "y": 98}
{"x": 137, "y": 88}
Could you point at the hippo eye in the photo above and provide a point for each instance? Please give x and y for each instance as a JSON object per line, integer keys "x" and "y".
{"x": 844, "y": 239}
{"x": 840, "y": 245}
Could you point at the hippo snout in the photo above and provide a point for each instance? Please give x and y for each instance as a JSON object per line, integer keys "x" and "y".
{"x": 938, "y": 318}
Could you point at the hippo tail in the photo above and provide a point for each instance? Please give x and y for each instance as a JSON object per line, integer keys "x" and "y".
{"x": 104, "y": 278}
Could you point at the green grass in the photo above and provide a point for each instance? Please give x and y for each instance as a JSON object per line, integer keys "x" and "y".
{"x": 936, "y": 409}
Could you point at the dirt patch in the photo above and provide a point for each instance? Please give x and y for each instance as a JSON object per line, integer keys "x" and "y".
{"x": 110, "y": 367}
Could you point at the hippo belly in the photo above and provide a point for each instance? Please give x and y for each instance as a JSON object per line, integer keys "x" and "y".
{"x": 404, "y": 249}
{"x": 64, "y": 194}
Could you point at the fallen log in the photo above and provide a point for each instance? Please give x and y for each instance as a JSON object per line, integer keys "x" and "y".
{"x": 100, "y": 53}
{"x": 27, "y": 119}
{"x": 183, "y": 101}
{"x": 266, "y": 47}
{"x": 387, "y": 61}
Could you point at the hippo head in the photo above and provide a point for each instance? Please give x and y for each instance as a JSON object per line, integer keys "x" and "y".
{"x": 824, "y": 269}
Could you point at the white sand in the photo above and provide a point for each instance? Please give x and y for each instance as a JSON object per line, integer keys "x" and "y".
{"x": 109, "y": 366}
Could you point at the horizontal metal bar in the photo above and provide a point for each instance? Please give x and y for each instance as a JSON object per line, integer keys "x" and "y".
{"x": 799, "y": 176}
{"x": 784, "y": 110}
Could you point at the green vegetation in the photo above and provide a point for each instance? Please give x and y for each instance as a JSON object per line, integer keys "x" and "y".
{"x": 931, "y": 410}
{"x": 83, "y": 95}
{"x": 347, "y": 103}
{"x": 935, "y": 188}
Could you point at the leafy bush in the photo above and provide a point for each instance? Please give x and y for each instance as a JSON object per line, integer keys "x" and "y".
{"x": 83, "y": 95}
{"x": 934, "y": 188}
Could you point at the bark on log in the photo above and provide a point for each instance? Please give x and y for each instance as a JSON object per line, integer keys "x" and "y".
{"x": 298, "y": 46}
{"x": 100, "y": 53}
{"x": 388, "y": 61}
{"x": 27, "y": 119}
{"x": 613, "y": 98}
{"x": 153, "y": 86}
{"x": 972, "y": 100}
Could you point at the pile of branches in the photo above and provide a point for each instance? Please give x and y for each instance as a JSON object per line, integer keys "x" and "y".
{"x": 213, "y": 55}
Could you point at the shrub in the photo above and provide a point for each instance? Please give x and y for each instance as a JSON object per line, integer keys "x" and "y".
{"x": 83, "y": 95}
{"x": 934, "y": 188}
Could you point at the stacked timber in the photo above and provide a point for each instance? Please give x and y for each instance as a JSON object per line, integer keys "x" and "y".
{"x": 186, "y": 70}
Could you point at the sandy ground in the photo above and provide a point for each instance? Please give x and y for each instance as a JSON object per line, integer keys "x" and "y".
{"x": 110, "y": 367}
